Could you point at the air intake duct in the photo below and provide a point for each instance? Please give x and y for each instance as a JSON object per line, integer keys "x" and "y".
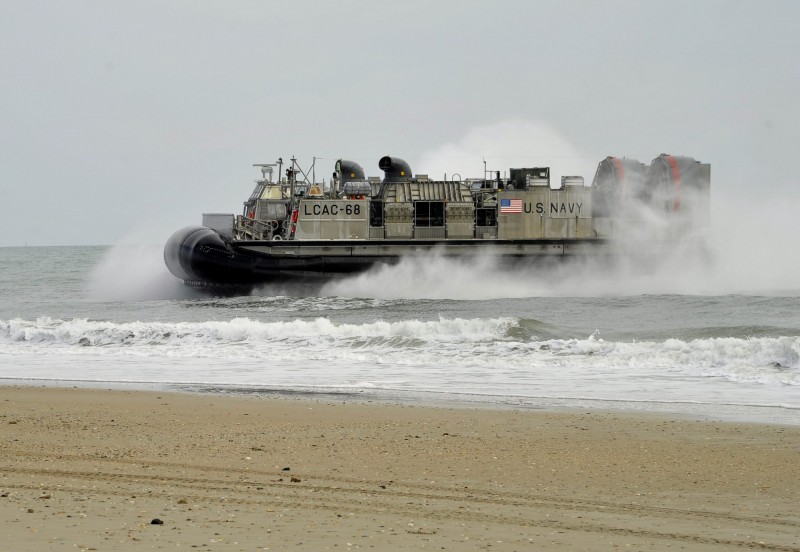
{"x": 349, "y": 171}
{"x": 395, "y": 169}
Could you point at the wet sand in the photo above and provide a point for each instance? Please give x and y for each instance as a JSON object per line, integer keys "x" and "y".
{"x": 87, "y": 469}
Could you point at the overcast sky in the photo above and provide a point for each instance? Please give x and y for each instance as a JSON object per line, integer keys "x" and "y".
{"x": 125, "y": 120}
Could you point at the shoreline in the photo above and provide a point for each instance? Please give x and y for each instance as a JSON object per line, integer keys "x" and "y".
{"x": 92, "y": 468}
{"x": 723, "y": 412}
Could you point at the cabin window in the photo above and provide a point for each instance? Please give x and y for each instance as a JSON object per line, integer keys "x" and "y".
{"x": 486, "y": 216}
{"x": 376, "y": 213}
{"x": 428, "y": 213}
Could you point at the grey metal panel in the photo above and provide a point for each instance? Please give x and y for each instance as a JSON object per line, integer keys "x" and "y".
{"x": 430, "y": 232}
{"x": 398, "y": 212}
{"x": 571, "y": 202}
{"x": 460, "y": 230}
{"x": 459, "y": 212}
{"x": 398, "y": 219}
{"x": 332, "y": 219}
{"x": 402, "y": 192}
{"x": 584, "y": 228}
{"x": 221, "y": 222}
{"x": 547, "y": 214}
{"x": 399, "y": 230}
{"x": 486, "y": 232}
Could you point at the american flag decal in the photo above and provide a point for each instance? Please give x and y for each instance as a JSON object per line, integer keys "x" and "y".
{"x": 510, "y": 206}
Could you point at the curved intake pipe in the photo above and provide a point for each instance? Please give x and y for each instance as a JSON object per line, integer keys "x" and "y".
{"x": 395, "y": 169}
{"x": 349, "y": 171}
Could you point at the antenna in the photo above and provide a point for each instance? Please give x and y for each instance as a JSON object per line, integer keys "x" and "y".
{"x": 266, "y": 169}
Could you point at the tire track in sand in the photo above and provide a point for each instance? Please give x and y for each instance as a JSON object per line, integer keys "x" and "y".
{"x": 436, "y": 502}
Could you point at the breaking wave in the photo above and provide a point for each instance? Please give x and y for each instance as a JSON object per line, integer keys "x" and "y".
{"x": 507, "y": 348}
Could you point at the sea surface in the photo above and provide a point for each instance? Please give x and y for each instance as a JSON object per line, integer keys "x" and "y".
{"x": 431, "y": 331}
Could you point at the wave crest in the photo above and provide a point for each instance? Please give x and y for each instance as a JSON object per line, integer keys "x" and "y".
{"x": 454, "y": 345}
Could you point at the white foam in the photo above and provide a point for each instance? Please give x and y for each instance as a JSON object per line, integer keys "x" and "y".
{"x": 451, "y": 347}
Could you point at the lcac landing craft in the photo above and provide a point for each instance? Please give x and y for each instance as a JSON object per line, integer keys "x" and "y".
{"x": 293, "y": 226}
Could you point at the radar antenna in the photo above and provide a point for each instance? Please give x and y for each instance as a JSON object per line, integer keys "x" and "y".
{"x": 266, "y": 169}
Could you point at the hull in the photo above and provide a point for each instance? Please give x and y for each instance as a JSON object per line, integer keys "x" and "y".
{"x": 202, "y": 257}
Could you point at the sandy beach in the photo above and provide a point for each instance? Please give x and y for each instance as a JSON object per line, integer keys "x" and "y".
{"x": 87, "y": 469}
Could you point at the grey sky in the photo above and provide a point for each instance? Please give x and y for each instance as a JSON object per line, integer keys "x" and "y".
{"x": 125, "y": 120}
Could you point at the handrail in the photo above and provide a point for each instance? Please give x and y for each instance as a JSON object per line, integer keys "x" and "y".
{"x": 256, "y": 229}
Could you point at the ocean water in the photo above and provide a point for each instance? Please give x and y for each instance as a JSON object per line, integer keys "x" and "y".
{"x": 432, "y": 331}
